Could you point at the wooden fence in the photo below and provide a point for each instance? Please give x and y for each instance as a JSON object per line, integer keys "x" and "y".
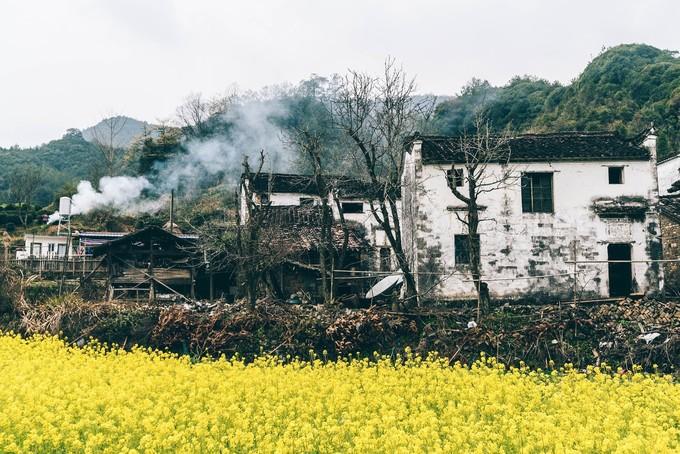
{"x": 72, "y": 267}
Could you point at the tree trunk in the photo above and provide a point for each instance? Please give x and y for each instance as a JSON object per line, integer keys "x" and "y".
{"x": 475, "y": 254}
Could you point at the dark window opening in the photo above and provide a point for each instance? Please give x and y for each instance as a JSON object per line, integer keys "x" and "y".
{"x": 615, "y": 175}
{"x": 352, "y": 207}
{"x": 455, "y": 177}
{"x": 306, "y": 201}
{"x": 462, "y": 249}
{"x": 537, "y": 192}
{"x": 264, "y": 199}
{"x": 385, "y": 259}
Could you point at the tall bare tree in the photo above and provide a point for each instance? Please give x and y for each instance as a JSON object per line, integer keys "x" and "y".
{"x": 106, "y": 137}
{"x": 377, "y": 114}
{"x": 481, "y": 165}
{"x": 196, "y": 111}
{"x": 310, "y": 144}
{"x": 252, "y": 262}
{"x": 23, "y": 187}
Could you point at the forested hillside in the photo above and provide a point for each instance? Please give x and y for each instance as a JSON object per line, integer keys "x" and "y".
{"x": 58, "y": 162}
{"x": 625, "y": 88}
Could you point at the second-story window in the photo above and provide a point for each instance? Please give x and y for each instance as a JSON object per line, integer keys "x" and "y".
{"x": 537, "y": 192}
{"x": 615, "y": 175}
{"x": 455, "y": 177}
{"x": 352, "y": 207}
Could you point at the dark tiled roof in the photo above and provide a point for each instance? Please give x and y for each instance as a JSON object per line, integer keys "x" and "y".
{"x": 285, "y": 215}
{"x": 669, "y": 206}
{"x": 347, "y": 187}
{"x": 140, "y": 236}
{"x": 566, "y": 146}
{"x": 297, "y": 229}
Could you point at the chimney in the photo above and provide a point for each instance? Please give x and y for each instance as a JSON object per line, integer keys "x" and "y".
{"x": 650, "y": 144}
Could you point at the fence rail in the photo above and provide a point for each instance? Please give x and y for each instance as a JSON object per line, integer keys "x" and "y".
{"x": 72, "y": 267}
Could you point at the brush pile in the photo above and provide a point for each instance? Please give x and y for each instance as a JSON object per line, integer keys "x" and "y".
{"x": 622, "y": 333}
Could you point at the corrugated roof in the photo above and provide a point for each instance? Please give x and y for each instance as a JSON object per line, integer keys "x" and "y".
{"x": 114, "y": 235}
{"x": 564, "y": 146}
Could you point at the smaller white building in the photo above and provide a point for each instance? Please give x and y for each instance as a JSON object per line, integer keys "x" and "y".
{"x": 44, "y": 246}
{"x": 353, "y": 202}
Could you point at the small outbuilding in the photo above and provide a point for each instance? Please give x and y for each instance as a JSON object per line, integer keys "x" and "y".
{"x": 150, "y": 263}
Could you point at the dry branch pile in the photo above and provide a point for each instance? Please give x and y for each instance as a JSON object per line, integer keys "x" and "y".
{"x": 621, "y": 333}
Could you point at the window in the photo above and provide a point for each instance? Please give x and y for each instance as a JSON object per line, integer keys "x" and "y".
{"x": 264, "y": 199}
{"x": 615, "y": 175}
{"x": 306, "y": 201}
{"x": 461, "y": 245}
{"x": 537, "y": 193}
{"x": 455, "y": 177}
{"x": 352, "y": 207}
{"x": 61, "y": 250}
{"x": 385, "y": 259}
{"x": 35, "y": 249}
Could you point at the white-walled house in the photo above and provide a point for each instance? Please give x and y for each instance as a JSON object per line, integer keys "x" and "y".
{"x": 281, "y": 189}
{"x": 669, "y": 172}
{"x": 45, "y": 246}
{"x": 589, "y": 196}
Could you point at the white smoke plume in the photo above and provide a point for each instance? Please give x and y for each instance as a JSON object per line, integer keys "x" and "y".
{"x": 251, "y": 129}
{"x": 121, "y": 192}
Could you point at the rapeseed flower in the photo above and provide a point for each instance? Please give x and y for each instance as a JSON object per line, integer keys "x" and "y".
{"x": 59, "y": 398}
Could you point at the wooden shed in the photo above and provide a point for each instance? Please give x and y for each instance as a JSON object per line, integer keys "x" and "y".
{"x": 148, "y": 264}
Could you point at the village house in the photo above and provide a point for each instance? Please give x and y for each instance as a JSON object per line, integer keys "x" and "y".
{"x": 584, "y": 197}
{"x": 668, "y": 172}
{"x": 350, "y": 196}
{"x": 669, "y": 215}
{"x": 45, "y": 247}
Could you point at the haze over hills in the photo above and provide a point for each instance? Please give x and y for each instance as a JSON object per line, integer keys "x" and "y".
{"x": 625, "y": 88}
{"x": 127, "y": 129}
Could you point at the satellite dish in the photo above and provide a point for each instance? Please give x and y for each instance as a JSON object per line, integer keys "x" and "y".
{"x": 384, "y": 285}
{"x": 65, "y": 206}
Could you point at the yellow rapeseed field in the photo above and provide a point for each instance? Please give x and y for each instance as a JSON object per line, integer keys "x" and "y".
{"x": 56, "y": 398}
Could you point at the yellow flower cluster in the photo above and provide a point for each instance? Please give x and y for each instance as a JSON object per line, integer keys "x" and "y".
{"x": 56, "y": 398}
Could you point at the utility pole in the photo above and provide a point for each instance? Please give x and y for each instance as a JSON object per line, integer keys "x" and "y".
{"x": 172, "y": 210}
{"x": 66, "y": 252}
{"x": 6, "y": 242}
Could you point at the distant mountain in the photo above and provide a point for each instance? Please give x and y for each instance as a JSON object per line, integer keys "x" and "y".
{"x": 124, "y": 130}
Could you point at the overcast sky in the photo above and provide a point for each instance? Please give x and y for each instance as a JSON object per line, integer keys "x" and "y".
{"x": 69, "y": 63}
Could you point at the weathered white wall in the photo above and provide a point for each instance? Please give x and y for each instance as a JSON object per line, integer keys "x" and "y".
{"x": 45, "y": 242}
{"x": 516, "y": 245}
{"x": 669, "y": 172}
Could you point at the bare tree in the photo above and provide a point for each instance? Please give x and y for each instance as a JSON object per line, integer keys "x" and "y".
{"x": 481, "y": 166}
{"x": 310, "y": 144}
{"x": 106, "y": 137}
{"x": 23, "y": 186}
{"x": 377, "y": 115}
{"x": 195, "y": 113}
{"x": 252, "y": 264}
